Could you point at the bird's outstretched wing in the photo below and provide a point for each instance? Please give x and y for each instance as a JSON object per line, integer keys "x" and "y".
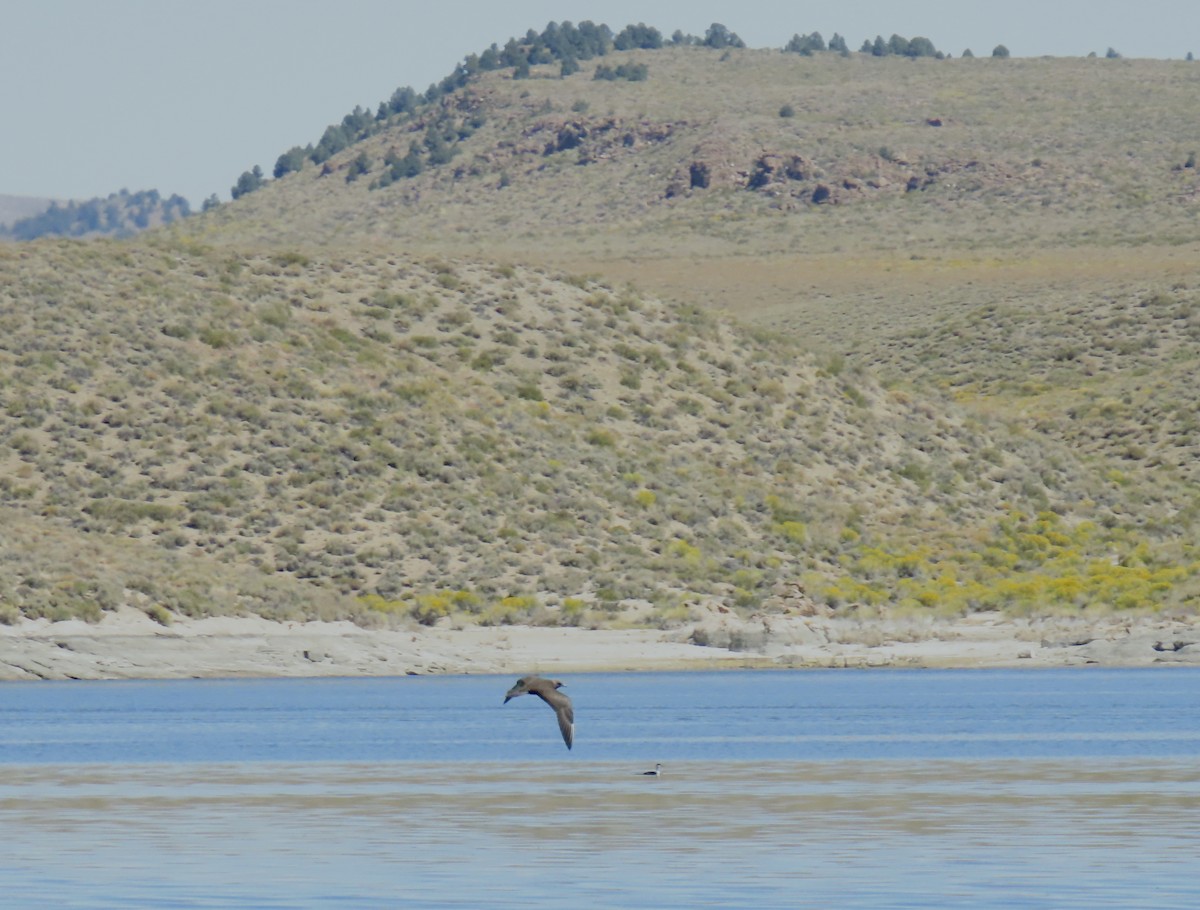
{"x": 547, "y": 691}
{"x": 566, "y": 719}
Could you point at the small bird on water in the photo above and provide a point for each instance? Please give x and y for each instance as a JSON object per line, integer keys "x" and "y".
{"x": 657, "y": 772}
{"x": 547, "y": 691}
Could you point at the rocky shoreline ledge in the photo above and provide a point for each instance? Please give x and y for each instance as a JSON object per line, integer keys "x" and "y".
{"x": 129, "y": 645}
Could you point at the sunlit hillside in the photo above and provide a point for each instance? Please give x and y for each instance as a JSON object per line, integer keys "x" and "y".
{"x": 757, "y": 330}
{"x": 875, "y": 154}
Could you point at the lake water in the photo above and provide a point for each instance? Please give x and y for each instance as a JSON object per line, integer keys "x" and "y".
{"x": 872, "y": 789}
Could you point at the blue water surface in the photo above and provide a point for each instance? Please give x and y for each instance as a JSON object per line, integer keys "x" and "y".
{"x": 808, "y": 715}
{"x": 876, "y": 789}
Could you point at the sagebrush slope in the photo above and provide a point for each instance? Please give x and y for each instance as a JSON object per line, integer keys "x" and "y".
{"x": 330, "y": 398}
{"x": 410, "y": 435}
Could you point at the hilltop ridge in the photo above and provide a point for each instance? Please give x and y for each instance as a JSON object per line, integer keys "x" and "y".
{"x": 890, "y": 153}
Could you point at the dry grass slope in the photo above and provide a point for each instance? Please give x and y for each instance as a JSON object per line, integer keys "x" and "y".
{"x": 270, "y": 408}
{"x": 1027, "y": 152}
{"x": 417, "y": 437}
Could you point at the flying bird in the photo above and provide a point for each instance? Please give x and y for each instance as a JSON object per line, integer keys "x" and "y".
{"x": 547, "y": 691}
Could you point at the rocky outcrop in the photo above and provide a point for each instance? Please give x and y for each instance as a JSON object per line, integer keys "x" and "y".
{"x": 1136, "y": 649}
{"x": 597, "y": 138}
{"x": 794, "y": 179}
{"x": 590, "y": 139}
{"x": 771, "y": 169}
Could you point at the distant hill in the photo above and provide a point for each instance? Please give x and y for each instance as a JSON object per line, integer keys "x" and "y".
{"x": 121, "y": 214}
{"x": 14, "y": 208}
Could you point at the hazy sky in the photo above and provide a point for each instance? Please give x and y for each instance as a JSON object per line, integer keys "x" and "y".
{"x": 182, "y": 95}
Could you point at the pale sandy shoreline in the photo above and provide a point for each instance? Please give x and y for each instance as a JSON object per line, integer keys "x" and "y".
{"x": 129, "y": 645}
